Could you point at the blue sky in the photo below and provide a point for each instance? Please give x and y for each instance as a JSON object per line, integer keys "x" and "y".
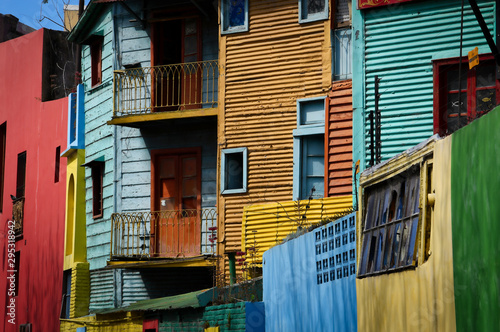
{"x": 30, "y": 12}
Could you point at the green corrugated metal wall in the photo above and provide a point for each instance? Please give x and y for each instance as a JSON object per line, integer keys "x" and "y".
{"x": 400, "y": 43}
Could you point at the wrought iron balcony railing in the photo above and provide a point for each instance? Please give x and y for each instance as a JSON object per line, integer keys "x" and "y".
{"x": 167, "y": 234}
{"x": 182, "y": 86}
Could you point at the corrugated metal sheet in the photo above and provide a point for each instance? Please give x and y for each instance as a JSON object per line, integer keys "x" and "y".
{"x": 266, "y": 225}
{"x": 102, "y": 293}
{"x": 266, "y": 71}
{"x": 400, "y": 45}
{"x": 338, "y": 133}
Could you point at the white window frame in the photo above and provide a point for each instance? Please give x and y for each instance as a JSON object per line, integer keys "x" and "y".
{"x": 303, "y": 130}
{"x": 223, "y": 181}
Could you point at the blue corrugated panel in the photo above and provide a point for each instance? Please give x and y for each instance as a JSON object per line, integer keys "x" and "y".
{"x": 309, "y": 282}
{"x": 401, "y": 42}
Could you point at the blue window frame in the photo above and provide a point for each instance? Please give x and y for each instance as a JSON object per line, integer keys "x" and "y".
{"x": 233, "y": 177}
{"x": 308, "y": 149}
{"x": 312, "y": 10}
{"x": 234, "y": 16}
{"x": 76, "y": 119}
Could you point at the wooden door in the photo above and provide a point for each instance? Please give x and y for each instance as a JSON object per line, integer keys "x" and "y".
{"x": 192, "y": 72}
{"x": 176, "y": 195}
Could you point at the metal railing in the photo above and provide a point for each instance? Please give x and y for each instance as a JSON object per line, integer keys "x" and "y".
{"x": 170, "y": 234}
{"x": 172, "y": 87}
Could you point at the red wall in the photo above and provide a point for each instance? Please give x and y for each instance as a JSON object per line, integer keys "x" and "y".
{"x": 37, "y": 128}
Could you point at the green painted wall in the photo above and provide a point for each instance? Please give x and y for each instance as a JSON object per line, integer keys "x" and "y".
{"x": 475, "y": 187}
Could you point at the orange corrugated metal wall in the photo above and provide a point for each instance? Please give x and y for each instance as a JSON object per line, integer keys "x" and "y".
{"x": 265, "y": 71}
{"x": 339, "y": 140}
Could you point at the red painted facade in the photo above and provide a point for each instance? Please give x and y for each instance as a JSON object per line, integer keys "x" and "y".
{"x": 38, "y": 128}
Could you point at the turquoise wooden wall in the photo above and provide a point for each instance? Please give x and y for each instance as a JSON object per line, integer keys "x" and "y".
{"x": 99, "y": 140}
{"x": 398, "y": 43}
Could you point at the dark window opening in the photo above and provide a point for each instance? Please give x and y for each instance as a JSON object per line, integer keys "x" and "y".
{"x": 96, "y": 60}
{"x": 97, "y": 188}
{"x": 21, "y": 175}
{"x": 3, "y": 132}
{"x": 66, "y": 297}
{"x": 57, "y": 164}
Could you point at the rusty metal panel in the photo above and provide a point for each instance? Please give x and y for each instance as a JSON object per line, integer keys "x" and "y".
{"x": 266, "y": 225}
{"x": 265, "y": 71}
{"x": 338, "y": 135}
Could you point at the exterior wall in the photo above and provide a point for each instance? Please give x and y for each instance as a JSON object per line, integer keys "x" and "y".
{"x": 398, "y": 43}
{"x": 265, "y": 72}
{"x": 474, "y": 196}
{"x": 338, "y": 140}
{"x": 75, "y": 237}
{"x": 80, "y": 290}
{"x": 420, "y": 299}
{"x": 266, "y": 225}
{"x": 121, "y": 322}
{"x": 37, "y": 128}
{"x": 99, "y": 141}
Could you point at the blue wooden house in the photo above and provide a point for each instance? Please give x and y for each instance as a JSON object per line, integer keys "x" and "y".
{"x": 406, "y": 69}
{"x": 150, "y": 71}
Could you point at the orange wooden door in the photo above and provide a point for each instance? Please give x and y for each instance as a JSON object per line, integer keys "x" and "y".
{"x": 192, "y": 72}
{"x": 177, "y": 197}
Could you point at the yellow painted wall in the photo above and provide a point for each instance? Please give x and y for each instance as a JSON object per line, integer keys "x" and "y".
{"x": 75, "y": 239}
{"x": 420, "y": 299}
{"x": 264, "y": 72}
{"x": 120, "y": 322}
{"x": 265, "y": 225}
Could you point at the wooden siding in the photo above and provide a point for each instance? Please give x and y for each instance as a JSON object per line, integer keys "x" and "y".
{"x": 266, "y": 70}
{"x": 102, "y": 290}
{"x": 399, "y": 48}
{"x": 99, "y": 141}
{"x": 338, "y": 136}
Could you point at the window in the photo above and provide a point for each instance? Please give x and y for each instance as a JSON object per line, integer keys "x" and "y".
{"x": 309, "y": 149}
{"x": 97, "y": 174}
{"x": 234, "y": 171}
{"x": 96, "y": 60}
{"x": 312, "y": 10}
{"x": 76, "y": 119}
{"x": 57, "y": 164}
{"x": 479, "y": 92}
{"x": 234, "y": 16}
{"x": 342, "y": 54}
{"x": 3, "y": 135}
{"x": 21, "y": 174}
{"x": 390, "y": 218}
{"x": 66, "y": 297}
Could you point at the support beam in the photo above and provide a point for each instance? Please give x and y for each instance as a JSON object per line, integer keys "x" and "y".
{"x": 486, "y": 31}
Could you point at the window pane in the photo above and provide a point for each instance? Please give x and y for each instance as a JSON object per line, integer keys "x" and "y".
{"x": 370, "y": 211}
{"x": 342, "y": 63}
{"x": 452, "y": 77}
{"x": 404, "y": 243}
{"x": 485, "y": 100}
{"x": 236, "y": 13}
{"x": 485, "y": 75}
{"x": 395, "y": 245}
{"x": 364, "y": 257}
{"x": 388, "y": 247}
{"x": 413, "y": 237}
{"x": 372, "y": 252}
{"x": 313, "y": 167}
{"x": 315, "y": 6}
{"x": 380, "y": 250}
{"x": 452, "y": 110}
{"x": 234, "y": 171}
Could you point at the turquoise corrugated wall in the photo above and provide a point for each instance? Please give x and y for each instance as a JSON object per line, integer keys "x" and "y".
{"x": 400, "y": 43}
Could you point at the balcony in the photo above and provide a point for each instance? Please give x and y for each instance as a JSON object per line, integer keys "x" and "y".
{"x": 165, "y": 92}
{"x": 168, "y": 234}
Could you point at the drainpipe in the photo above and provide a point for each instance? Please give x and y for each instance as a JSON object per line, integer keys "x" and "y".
{"x": 232, "y": 267}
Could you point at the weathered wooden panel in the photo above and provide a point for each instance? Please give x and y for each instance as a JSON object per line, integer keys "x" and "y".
{"x": 399, "y": 49}
{"x": 99, "y": 142}
{"x": 338, "y": 145}
{"x": 266, "y": 70}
